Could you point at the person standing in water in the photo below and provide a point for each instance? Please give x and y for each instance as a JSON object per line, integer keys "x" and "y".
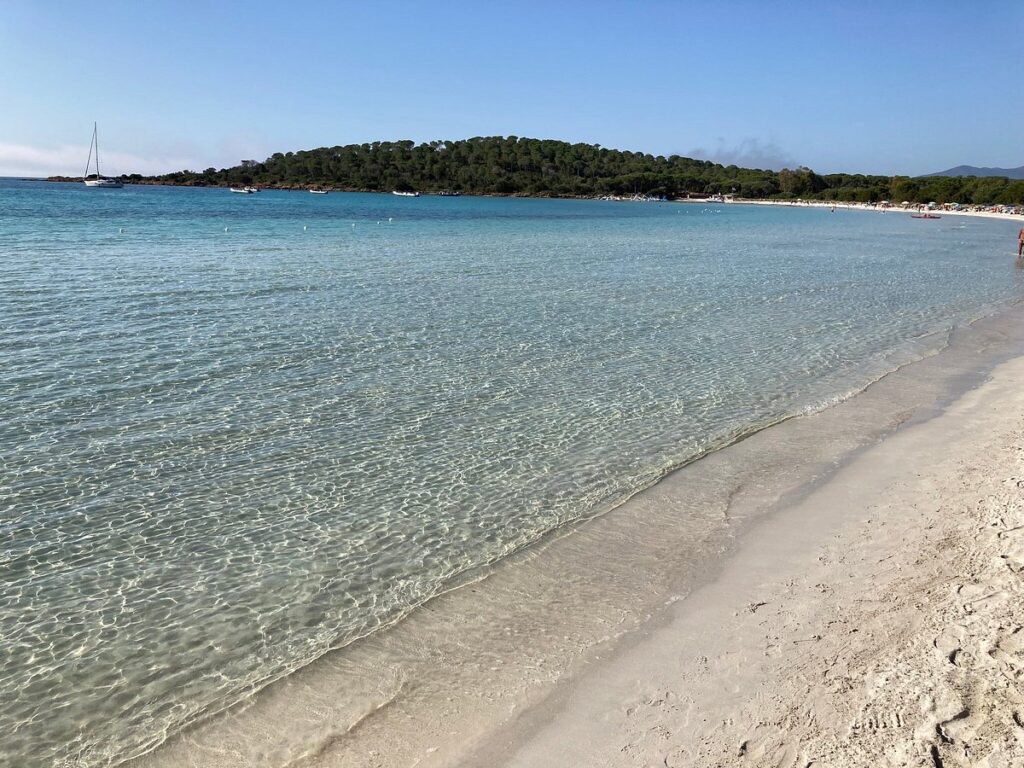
{"x": 1020, "y": 242}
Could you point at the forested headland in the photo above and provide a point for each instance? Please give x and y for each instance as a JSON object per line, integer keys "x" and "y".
{"x": 535, "y": 167}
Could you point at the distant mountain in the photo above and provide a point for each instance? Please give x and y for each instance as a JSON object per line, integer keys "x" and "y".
{"x": 970, "y": 170}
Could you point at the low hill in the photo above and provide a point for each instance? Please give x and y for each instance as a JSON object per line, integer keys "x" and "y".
{"x": 510, "y": 165}
{"x": 971, "y": 170}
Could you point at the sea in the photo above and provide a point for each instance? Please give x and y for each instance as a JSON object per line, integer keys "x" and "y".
{"x": 240, "y": 432}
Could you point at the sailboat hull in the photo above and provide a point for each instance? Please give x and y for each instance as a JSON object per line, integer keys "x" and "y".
{"x": 104, "y": 183}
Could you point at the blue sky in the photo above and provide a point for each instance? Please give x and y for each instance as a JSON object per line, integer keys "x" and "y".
{"x": 854, "y": 86}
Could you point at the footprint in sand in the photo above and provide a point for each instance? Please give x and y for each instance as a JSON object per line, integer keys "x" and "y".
{"x": 954, "y": 746}
{"x": 880, "y": 721}
{"x": 959, "y": 728}
{"x": 950, "y": 645}
{"x": 1013, "y": 549}
{"x": 1009, "y": 654}
{"x": 767, "y": 746}
{"x": 971, "y": 596}
{"x": 678, "y": 758}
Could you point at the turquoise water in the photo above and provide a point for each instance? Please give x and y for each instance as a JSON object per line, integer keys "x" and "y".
{"x": 248, "y": 429}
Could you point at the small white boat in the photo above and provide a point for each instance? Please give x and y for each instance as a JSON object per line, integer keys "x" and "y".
{"x": 318, "y": 191}
{"x": 243, "y": 190}
{"x": 406, "y": 194}
{"x": 99, "y": 181}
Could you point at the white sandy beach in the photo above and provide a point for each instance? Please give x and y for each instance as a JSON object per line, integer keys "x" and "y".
{"x": 895, "y": 209}
{"x": 877, "y": 622}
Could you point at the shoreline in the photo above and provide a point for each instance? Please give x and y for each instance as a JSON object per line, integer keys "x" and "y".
{"x": 452, "y": 679}
{"x": 846, "y": 205}
{"x": 876, "y": 621}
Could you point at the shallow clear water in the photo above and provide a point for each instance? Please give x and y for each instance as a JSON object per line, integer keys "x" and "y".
{"x": 244, "y": 431}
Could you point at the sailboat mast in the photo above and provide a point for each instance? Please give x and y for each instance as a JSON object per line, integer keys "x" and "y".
{"x": 88, "y": 162}
{"x": 96, "y": 136}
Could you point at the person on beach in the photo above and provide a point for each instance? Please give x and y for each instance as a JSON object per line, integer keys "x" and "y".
{"x": 1020, "y": 242}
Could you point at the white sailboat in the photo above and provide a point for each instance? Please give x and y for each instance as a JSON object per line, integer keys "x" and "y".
{"x": 99, "y": 181}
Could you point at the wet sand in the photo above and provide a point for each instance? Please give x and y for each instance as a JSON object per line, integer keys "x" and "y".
{"x": 794, "y": 597}
{"x": 877, "y": 622}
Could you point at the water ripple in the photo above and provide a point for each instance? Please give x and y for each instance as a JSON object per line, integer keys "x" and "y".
{"x": 226, "y": 452}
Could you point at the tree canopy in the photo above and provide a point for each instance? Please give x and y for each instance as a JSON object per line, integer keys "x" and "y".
{"x": 540, "y": 167}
